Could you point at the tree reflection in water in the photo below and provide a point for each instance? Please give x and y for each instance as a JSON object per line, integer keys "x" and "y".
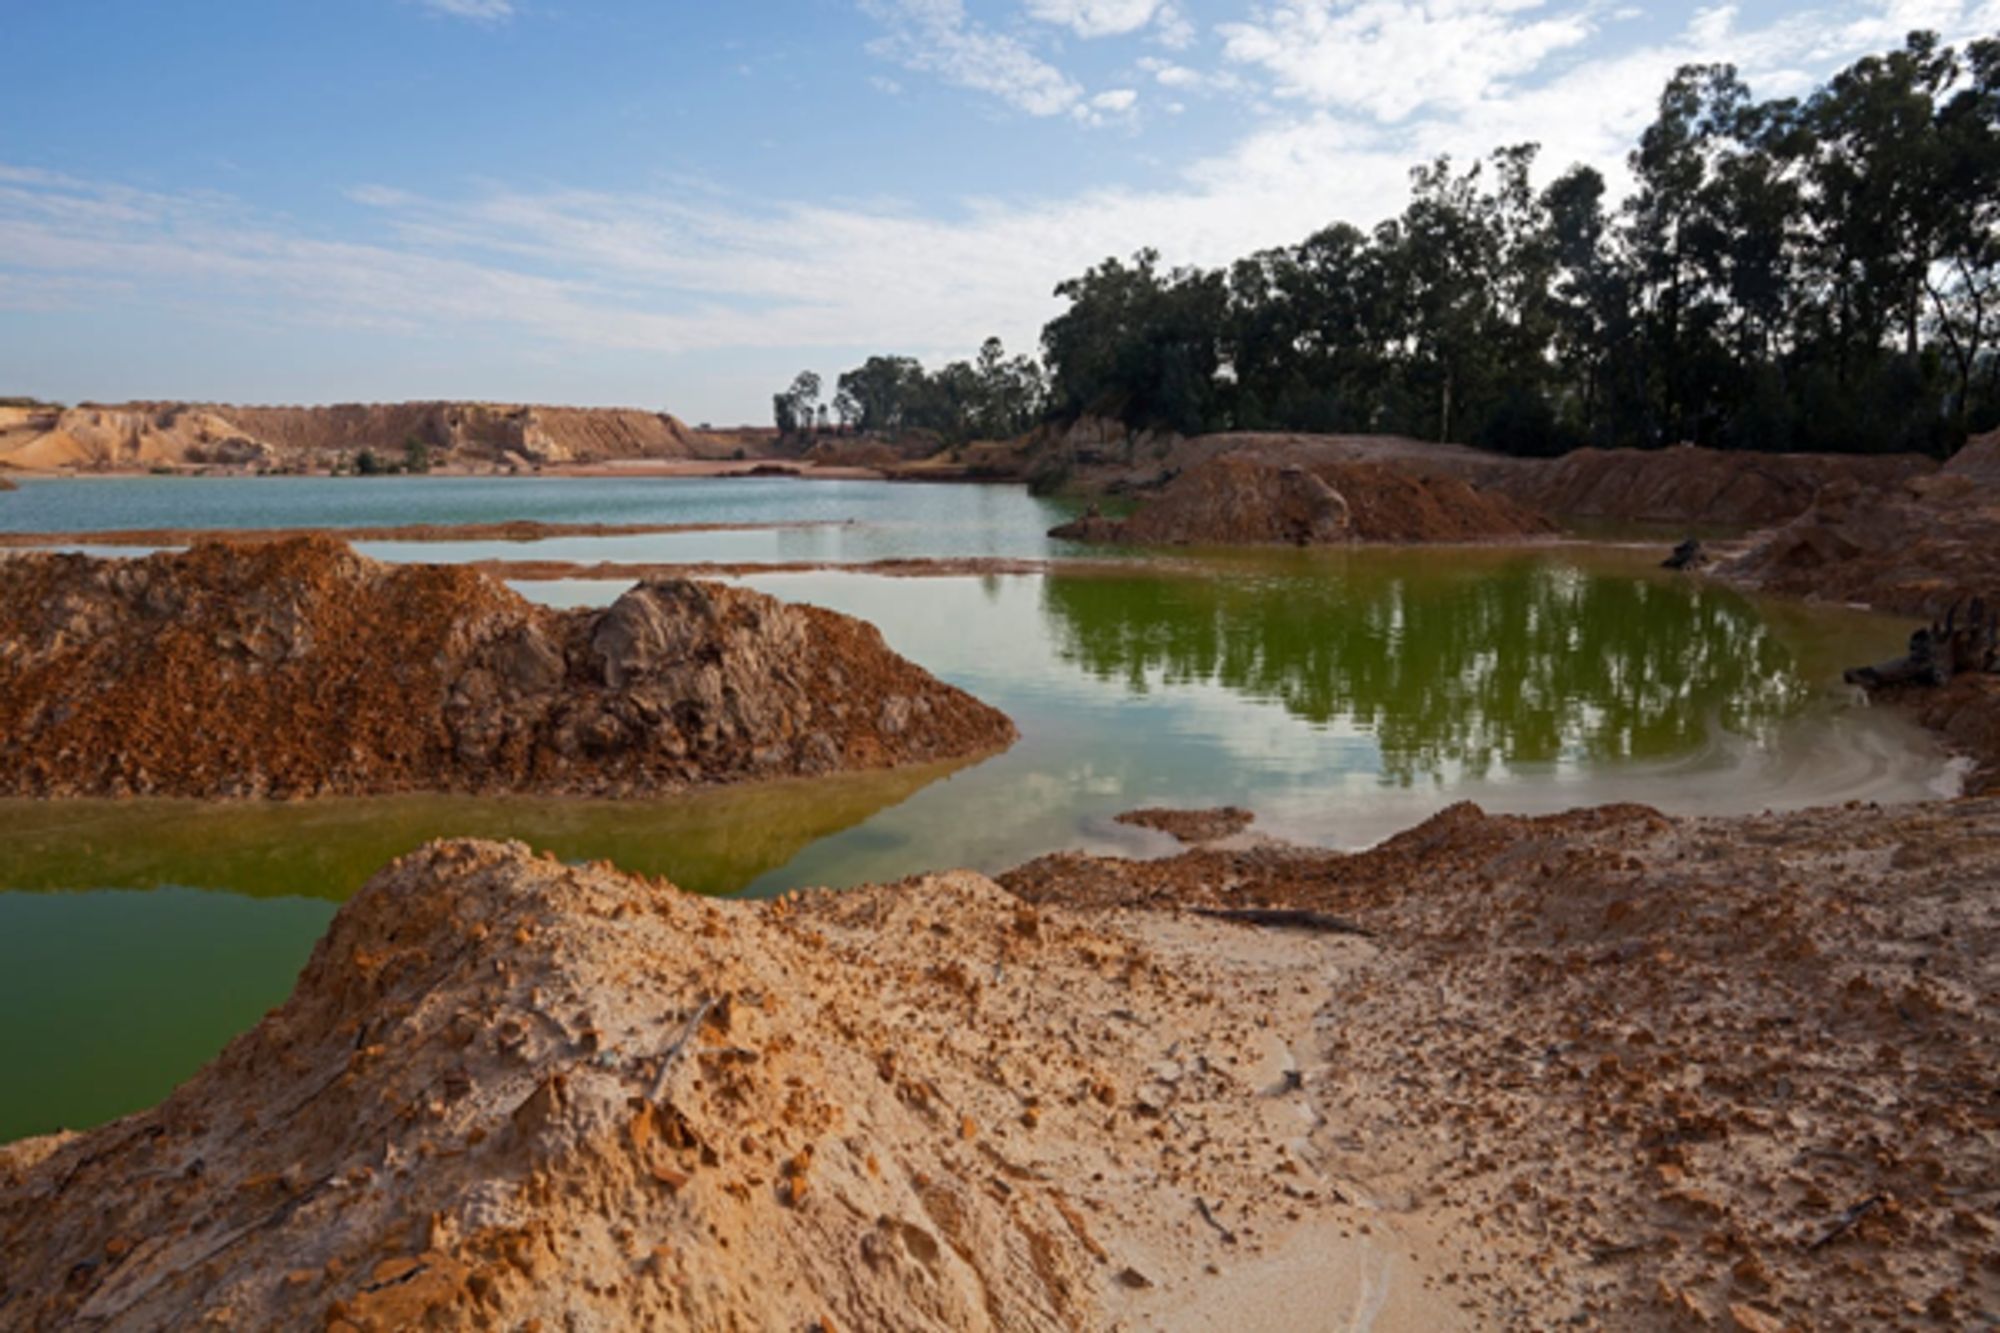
{"x": 1458, "y": 660}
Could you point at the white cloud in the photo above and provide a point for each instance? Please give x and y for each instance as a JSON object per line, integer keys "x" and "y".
{"x": 685, "y": 270}
{"x": 1173, "y": 30}
{"x": 1390, "y": 58}
{"x": 482, "y": 11}
{"x": 939, "y": 37}
{"x": 1097, "y": 18}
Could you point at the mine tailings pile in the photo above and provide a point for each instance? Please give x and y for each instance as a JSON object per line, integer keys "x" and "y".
{"x": 299, "y": 668}
{"x": 513, "y": 1093}
{"x": 138, "y": 435}
{"x": 1239, "y": 501}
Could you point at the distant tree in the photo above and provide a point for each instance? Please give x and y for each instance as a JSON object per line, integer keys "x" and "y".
{"x": 366, "y": 464}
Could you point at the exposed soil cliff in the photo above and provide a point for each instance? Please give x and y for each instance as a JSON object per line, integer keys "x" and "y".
{"x": 1914, "y": 547}
{"x": 1683, "y": 485}
{"x": 139, "y": 435}
{"x": 1690, "y": 485}
{"x": 1238, "y": 500}
{"x": 299, "y": 668}
{"x": 1658, "y": 1073}
{"x": 510, "y": 1093}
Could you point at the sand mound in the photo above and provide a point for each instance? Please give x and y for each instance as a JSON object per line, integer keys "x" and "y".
{"x": 1237, "y": 500}
{"x": 1648, "y": 1073}
{"x": 511, "y": 1093}
{"x": 138, "y": 435}
{"x": 299, "y": 668}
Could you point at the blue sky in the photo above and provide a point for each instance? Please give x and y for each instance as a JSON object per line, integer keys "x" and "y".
{"x": 679, "y": 205}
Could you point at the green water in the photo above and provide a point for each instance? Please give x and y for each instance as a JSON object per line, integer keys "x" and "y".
{"x": 1340, "y": 695}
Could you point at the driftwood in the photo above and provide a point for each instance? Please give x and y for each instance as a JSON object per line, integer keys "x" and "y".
{"x": 1940, "y": 650}
{"x": 1285, "y": 918}
{"x": 1846, "y": 1222}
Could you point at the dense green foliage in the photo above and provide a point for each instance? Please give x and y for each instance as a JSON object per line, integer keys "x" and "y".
{"x": 1802, "y": 273}
{"x": 1818, "y": 273}
{"x": 992, "y": 397}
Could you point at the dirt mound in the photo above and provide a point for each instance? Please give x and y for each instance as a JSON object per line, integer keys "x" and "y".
{"x": 512, "y": 1093}
{"x": 1239, "y": 500}
{"x": 1191, "y": 826}
{"x": 6, "y": 485}
{"x": 1686, "y": 484}
{"x": 1979, "y": 460}
{"x": 1916, "y": 548}
{"x": 138, "y": 435}
{"x": 299, "y": 668}
{"x": 1648, "y": 1073}
{"x": 1682, "y": 485}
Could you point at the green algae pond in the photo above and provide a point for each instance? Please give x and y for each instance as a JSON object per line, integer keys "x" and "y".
{"x": 1341, "y": 695}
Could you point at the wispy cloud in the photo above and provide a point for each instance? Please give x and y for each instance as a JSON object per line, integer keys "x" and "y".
{"x": 681, "y": 270}
{"x": 938, "y": 37}
{"x": 1098, "y": 18}
{"x": 1389, "y": 58}
{"x": 482, "y": 11}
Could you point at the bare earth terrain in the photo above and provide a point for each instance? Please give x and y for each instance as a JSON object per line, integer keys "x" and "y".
{"x": 298, "y": 668}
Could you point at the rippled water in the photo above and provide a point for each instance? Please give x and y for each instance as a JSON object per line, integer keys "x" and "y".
{"x": 1340, "y": 695}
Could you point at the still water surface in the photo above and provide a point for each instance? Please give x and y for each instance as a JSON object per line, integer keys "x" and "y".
{"x": 1340, "y": 695}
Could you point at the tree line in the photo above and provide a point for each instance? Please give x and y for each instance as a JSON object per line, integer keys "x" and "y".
{"x": 1817, "y": 272}
{"x": 992, "y": 397}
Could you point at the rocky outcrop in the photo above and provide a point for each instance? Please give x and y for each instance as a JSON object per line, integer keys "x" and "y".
{"x": 140, "y": 435}
{"x": 298, "y": 668}
{"x": 1916, "y": 547}
{"x": 6, "y": 485}
{"x": 1243, "y": 501}
{"x": 512, "y": 1093}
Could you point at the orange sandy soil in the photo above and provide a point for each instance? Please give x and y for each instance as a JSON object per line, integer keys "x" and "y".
{"x": 509, "y": 1093}
{"x": 298, "y": 668}
{"x": 1639, "y": 1072}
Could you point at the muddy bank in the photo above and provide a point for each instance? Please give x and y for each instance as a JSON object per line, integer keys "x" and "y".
{"x": 298, "y": 668}
{"x": 509, "y": 1092}
{"x": 513, "y": 530}
{"x": 1656, "y": 1073}
{"x": 138, "y": 436}
{"x": 1239, "y": 501}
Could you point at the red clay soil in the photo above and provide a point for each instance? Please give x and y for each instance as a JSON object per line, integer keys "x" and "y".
{"x": 1915, "y": 547}
{"x": 1695, "y": 486}
{"x": 1234, "y": 500}
{"x": 1678, "y": 1073}
{"x": 300, "y": 668}
{"x": 1684, "y": 485}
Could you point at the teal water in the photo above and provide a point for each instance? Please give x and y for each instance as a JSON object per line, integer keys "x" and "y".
{"x": 854, "y": 521}
{"x": 1340, "y": 695}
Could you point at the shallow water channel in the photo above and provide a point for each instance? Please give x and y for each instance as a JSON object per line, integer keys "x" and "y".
{"x": 1340, "y": 695}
